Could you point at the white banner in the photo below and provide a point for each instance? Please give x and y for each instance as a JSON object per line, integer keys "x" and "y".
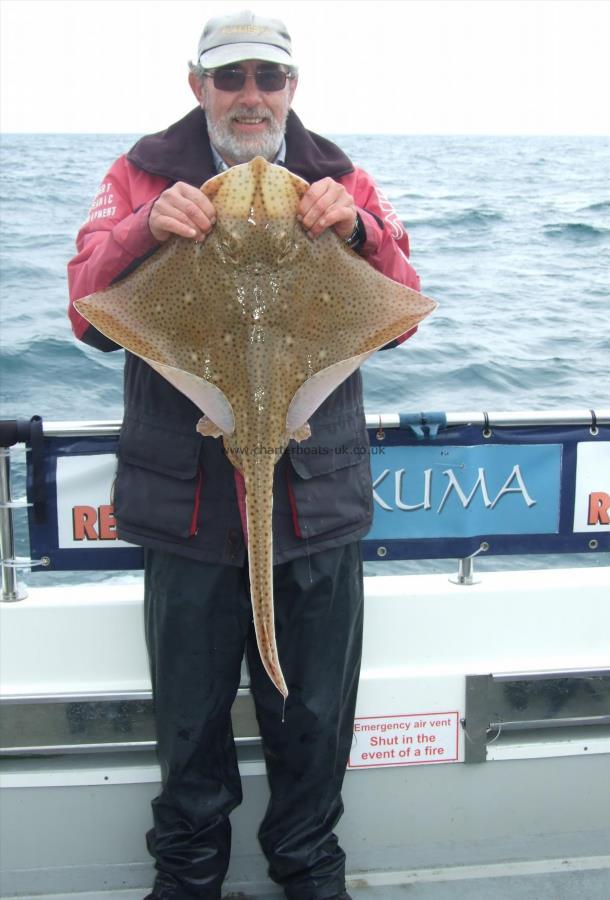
{"x": 84, "y": 509}
{"x": 592, "y": 498}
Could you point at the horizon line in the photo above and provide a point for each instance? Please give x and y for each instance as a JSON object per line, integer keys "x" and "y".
{"x": 498, "y": 134}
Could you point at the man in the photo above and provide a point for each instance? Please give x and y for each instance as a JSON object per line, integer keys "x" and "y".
{"x": 177, "y": 495}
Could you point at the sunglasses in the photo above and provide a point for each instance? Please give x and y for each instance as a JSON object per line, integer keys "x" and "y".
{"x": 233, "y": 80}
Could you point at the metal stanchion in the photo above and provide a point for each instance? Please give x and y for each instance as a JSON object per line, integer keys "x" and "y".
{"x": 465, "y": 572}
{"x": 11, "y": 589}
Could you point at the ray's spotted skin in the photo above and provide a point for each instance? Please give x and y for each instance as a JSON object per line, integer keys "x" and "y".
{"x": 257, "y": 326}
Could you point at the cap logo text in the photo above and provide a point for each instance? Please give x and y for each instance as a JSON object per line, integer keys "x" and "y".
{"x": 243, "y": 29}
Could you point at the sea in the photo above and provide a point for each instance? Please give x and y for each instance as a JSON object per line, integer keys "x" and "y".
{"x": 509, "y": 234}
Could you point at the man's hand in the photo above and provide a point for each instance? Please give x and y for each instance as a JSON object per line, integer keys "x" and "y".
{"x": 327, "y": 205}
{"x": 182, "y": 210}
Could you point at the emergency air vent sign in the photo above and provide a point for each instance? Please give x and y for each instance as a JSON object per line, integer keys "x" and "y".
{"x": 404, "y": 740}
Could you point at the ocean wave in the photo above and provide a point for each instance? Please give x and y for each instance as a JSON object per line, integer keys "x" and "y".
{"x": 16, "y": 274}
{"x": 482, "y": 380}
{"x": 478, "y": 218}
{"x": 602, "y": 206}
{"x": 577, "y": 231}
{"x": 31, "y": 349}
{"x": 62, "y": 382}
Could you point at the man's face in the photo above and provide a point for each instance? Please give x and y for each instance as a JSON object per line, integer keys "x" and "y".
{"x": 249, "y": 122}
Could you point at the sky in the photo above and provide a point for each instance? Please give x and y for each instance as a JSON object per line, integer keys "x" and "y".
{"x": 387, "y": 66}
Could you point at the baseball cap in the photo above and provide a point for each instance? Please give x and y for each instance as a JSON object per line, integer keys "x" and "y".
{"x": 229, "y": 39}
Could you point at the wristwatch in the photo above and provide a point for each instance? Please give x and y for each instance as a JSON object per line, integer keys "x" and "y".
{"x": 358, "y": 235}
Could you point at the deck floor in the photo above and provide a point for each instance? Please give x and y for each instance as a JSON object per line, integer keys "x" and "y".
{"x": 578, "y": 880}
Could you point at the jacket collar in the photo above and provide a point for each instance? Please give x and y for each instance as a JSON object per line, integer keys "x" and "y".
{"x": 182, "y": 152}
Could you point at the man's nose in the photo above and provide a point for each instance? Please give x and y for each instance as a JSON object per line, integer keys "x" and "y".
{"x": 250, "y": 93}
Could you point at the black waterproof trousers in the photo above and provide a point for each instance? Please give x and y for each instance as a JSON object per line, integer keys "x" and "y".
{"x": 198, "y": 621}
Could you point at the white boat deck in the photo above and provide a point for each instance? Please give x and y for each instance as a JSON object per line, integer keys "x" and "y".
{"x": 585, "y": 878}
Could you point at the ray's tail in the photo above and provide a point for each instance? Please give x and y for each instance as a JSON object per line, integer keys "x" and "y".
{"x": 258, "y": 476}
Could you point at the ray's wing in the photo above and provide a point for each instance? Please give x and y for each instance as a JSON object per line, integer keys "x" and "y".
{"x": 346, "y": 311}
{"x": 171, "y": 311}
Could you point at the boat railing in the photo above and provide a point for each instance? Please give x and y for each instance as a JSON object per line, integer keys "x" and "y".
{"x": 446, "y": 485}
{"x": 590, "y": 418}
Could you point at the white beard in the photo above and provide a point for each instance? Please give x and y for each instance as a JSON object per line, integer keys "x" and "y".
{"x": 242, "y": 148}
